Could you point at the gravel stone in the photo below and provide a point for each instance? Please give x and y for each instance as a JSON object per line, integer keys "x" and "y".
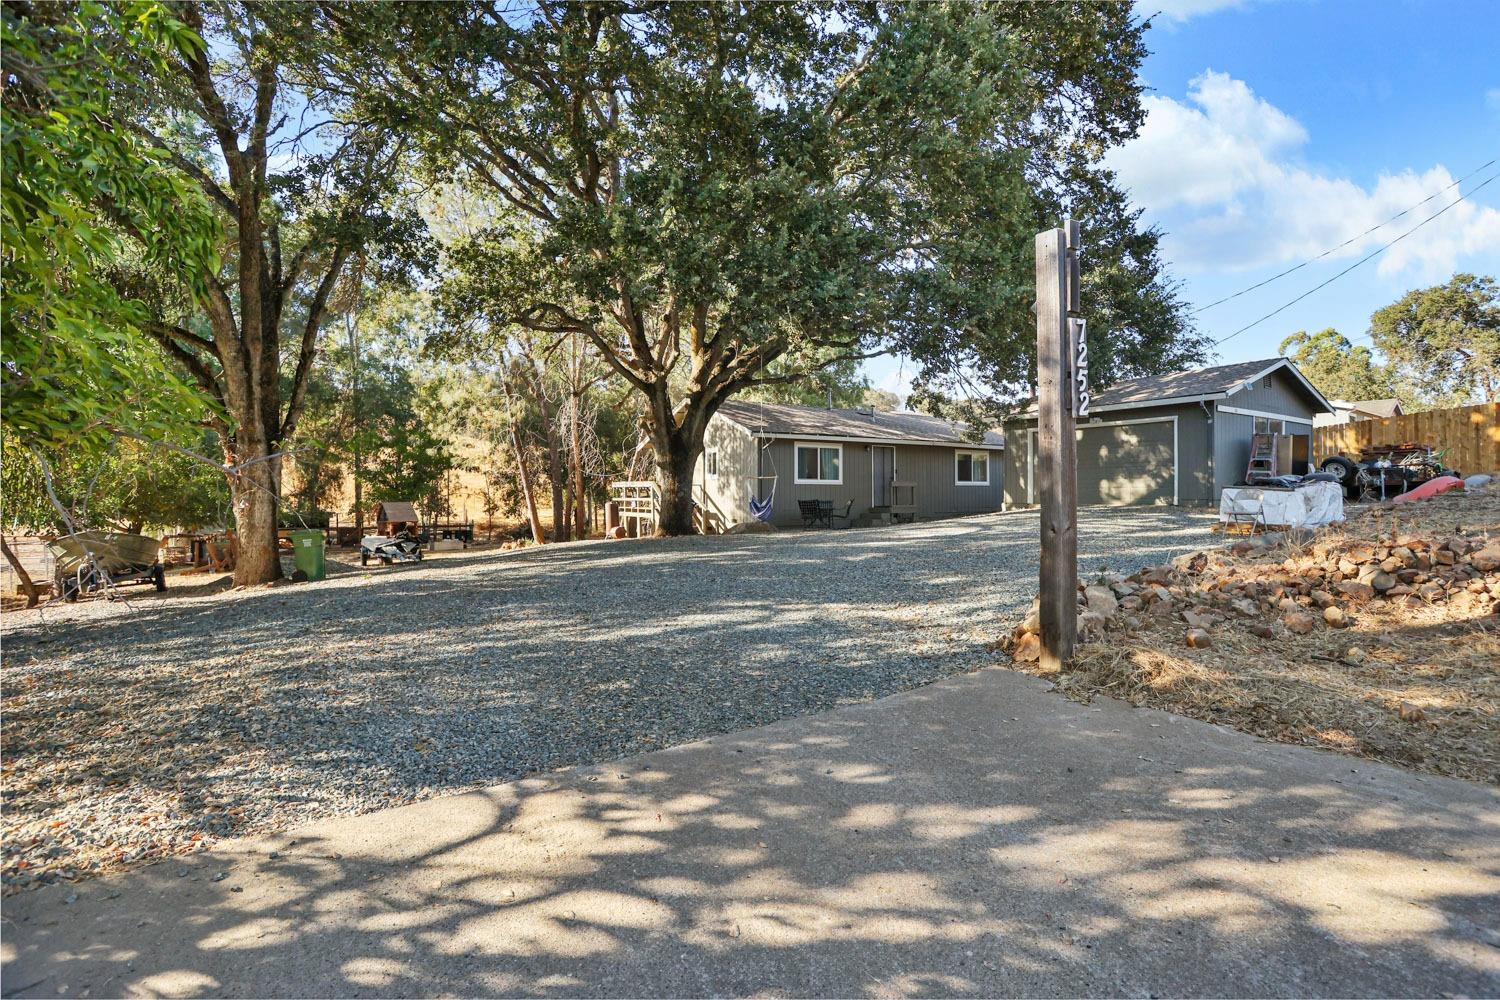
{"x": 134, "y": 732}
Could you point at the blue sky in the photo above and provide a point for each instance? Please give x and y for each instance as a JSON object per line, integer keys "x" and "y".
{"x": 1278, "y": 129}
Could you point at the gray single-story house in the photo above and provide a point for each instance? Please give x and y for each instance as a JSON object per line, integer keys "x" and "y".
{"x": 875, "y": 465}
{"x": 1172, "y": 439}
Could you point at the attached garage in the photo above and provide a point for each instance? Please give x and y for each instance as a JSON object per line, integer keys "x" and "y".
{"x": 1171, "y": 439}
{"x": 1121, "y": 462}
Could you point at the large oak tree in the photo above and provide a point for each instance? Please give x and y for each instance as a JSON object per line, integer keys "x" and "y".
{"x": 299, "y": 191}
{"x": 1443, "y": 343}
{"x": 701, "y": 190}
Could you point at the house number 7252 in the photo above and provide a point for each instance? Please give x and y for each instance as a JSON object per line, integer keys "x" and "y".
{"x": 1080, "y": 369}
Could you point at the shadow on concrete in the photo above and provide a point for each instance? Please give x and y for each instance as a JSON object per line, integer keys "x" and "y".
{"x": 976, "y": 837}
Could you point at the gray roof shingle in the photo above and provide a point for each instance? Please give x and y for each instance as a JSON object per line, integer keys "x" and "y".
{"x": 1197, "y": 382}
{"x": 787, "y": 420}
{"x": 1372, "y": 407}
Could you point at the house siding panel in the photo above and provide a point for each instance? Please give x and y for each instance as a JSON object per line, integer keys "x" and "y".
{"x": 1232, "y": 431}
{"x": 929, "y": 466}
{"x": 1195, "y": 471}
{"x": 726, "y": 497}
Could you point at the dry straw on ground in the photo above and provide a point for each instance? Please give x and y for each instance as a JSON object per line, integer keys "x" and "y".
{"x": 1407, "y": 678}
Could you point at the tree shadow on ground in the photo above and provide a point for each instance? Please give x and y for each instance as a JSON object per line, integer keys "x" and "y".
{"x": 951, "y": 841}
{"x": 550, "y": 656}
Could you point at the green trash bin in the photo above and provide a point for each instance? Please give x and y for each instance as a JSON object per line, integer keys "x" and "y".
{"x": 307, "y": 553}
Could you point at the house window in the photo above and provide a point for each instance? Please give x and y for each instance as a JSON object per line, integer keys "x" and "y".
{"x": 1265, "y": 383}
{"x": 1265, "y": 425}
{"x": 971, "y": 468}
{"x": 711, "y": 463}
{"x": 820, "y": 463}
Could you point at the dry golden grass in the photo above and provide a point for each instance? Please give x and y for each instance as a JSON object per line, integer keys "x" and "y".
{"x": 1421, "y": 690}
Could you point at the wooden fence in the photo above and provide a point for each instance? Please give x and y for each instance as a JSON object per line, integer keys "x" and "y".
{"x": 1468, "y": 436}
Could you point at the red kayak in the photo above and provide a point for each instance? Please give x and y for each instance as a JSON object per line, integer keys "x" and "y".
{"x": 1431, "y": 488}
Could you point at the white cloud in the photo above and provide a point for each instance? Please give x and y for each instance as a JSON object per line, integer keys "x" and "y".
{"x": 1221, "y": 172}
{"x": 1178, "y": 11}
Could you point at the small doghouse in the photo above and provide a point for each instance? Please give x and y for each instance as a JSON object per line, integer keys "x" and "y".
{"x": 393, "y": 515}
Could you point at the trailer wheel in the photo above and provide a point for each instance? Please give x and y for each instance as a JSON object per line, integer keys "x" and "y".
{"x": 159, "y": 577}
{"x": 70, "y": 591}
{"x": 1340, "y": 466}
{"x": 364, "y": 557}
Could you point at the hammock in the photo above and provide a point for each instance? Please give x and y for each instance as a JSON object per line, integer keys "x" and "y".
{"x": 761, "y": 508}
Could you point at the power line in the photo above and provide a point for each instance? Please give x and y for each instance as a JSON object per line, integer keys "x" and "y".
{"x": 1371, "y": 256}
{"x": 1352, "y": 239}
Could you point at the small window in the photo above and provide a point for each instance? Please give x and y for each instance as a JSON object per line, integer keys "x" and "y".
{"x": 1265, "y": 425}
{"x": 820, "y": 463}
{"x": 971, "y": 468}
{"x": 711, "y": 463}
{"x": 1265, "y": 383}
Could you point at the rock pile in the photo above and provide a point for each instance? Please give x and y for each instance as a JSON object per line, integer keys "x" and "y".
{"x": 1288, "y": 586}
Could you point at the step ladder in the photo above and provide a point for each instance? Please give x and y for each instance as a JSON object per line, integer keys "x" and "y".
{"x": 1265, "y": 450}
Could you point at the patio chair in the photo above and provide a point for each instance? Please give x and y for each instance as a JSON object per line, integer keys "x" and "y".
{"x": 813, "y": 514}
{"x": 820, "y": 512}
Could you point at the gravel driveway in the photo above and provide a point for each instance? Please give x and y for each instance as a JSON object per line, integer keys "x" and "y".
{"x": 134, "y": 733}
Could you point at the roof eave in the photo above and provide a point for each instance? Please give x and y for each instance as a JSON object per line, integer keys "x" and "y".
{"x": 1144, "y": 404}
{"x": 850, "y": 439}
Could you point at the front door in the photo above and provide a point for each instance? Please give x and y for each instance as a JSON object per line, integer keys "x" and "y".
{"x": 882, "y": 471}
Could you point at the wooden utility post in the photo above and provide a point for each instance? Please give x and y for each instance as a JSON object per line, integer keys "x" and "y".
{"x": 1057, "y": 466}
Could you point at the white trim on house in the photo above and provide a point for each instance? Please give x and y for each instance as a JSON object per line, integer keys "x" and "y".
{"x": 973, "y": 453}
{"x": 1031, "y": 446}
{"x": 1264, "y": 413}
{"x": 816, "y": 444}
{"x": 1030, "y": 413}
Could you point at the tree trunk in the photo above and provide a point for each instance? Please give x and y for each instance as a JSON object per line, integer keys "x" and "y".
{"x": 555, "y": 474}
{"x": 32, "y": 597}
{"x": 254, "y": 495}
{"x": 580, "y": 508}
{"x": 674, "y": 477}
{"x": 527, "y": 490}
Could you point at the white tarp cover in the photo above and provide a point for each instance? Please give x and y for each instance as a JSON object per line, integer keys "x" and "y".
{"x": 1309, "y": 506}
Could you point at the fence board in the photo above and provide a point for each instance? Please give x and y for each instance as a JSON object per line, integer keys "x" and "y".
{"x": 1469, "y": 436}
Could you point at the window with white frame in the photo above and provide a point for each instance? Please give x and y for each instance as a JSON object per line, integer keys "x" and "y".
{"x": 1265, "y": 425}
{"x": 820, "y": 463}
{"x": 971, "y": 468}
{"x": 711, "y": 463}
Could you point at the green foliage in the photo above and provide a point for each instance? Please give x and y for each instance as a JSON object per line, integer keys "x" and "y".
{"x": 839, "y": 384}
{"x": 705, "y": 189}
{"x": 128, "y": 485}
{"x": 75, "y": 363}
{"x": 1443, "y": 343}
{"x": 376, "y": 403}
{"x": 1338, "y": 368}
{"x": 1078, "y": 94}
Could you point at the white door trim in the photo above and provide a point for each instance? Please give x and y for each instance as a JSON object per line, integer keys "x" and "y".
{"x": 1032, "y": 444}
{"x": 892, "y": 448}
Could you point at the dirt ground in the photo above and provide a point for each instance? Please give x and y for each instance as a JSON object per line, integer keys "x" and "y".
{"x": 1410, "y": 676}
